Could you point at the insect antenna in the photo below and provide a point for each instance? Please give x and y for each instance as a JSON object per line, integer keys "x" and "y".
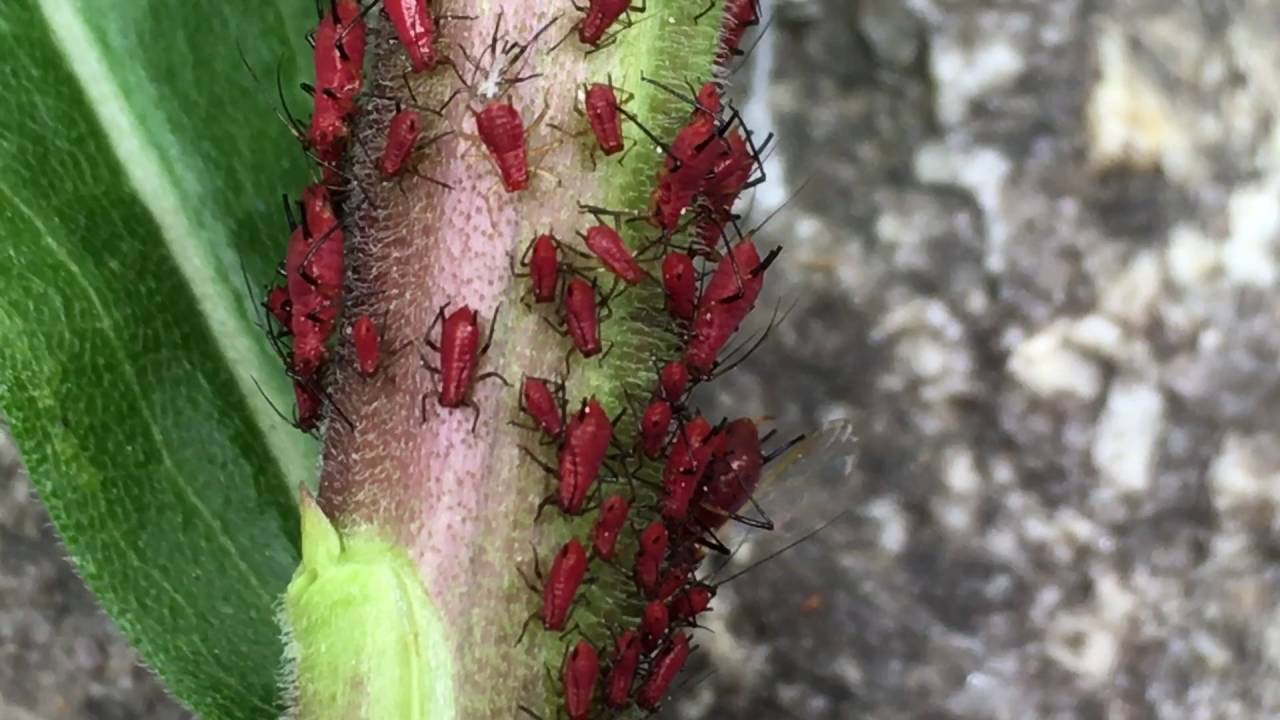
{"x": 759, "y": 36}
{"x": 673, "y": 92}
{"x": 785, "y": 548}
{"x": 287, "y": 118}
{"x": 665, "y": 148}
{"x": 530, "y": 42}
{"x": 245, "y": 62}
{"x": 288, "y": 211}
{"x": 774, "y": 213}
{"x": 324, "y": 394}
{"x": 739, "y": 354}
{"x": 276, "y": 409}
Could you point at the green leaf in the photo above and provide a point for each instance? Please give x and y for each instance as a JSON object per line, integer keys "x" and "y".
{"x": 140, "y": 164}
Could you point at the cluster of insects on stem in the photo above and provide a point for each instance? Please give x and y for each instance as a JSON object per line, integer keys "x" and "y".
{"x": 664, "y": 486}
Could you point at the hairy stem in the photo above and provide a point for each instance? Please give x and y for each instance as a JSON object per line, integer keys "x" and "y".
{"x": 450, "y": 489}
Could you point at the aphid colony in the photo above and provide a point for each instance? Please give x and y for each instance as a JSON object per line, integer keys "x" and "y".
{"x": 709, "y": 471}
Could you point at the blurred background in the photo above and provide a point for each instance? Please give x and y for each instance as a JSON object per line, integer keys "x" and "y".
{"x": 1035, "y": 260}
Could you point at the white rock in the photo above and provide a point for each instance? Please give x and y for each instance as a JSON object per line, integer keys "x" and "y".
{"x": 983, "y": 172}
{"x": 1124, "y": 441}
{"x": 1131, "y": 297}
{"x": 1114, "y": 599}
{"x": 962, "y": 73}
{"x": 1249, "y": 255}
{"x": 892, "y": 521}
{"x": 1077, "y": 527}
{"x": 1131, "y": 121}
{"x": 1084, "y": 646}
{"x": 1047, "y": 365}
{"x": 1098, "y": 334}
{"x": 1192, "y": 258}
{"x": 1087, "y": 640}
{"x": 960, "y": 471}
{"x": 1239, "y": 479}
{"x": 928, "y": 343}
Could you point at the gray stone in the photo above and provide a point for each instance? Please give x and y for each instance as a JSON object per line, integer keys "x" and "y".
{"x": 1036, "y": 266}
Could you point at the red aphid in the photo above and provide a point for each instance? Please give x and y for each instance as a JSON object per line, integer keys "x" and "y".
{"x": 653, "y": 540}
{"x": 673, "y": 580}
{"x": 622, "y": 670}
{"x": 459, "y": 346}
{"x": 702, "y": 157}
{"x": 736, "y": 280}
{"x": 314, "y": 260}
{"x": 669, "y": 200}
{"x": 604, "y": 536}
{"x": 309, "y": 405}
{"x": 690, "y": 158}
{"x": 298, "y": 283}
{"x": 691, "y": 450}
{"x": 739, "y": 16}
{"x": 606, "y": 244}
{"x": 364, "y": 338}
{"x": 654, "y": 427}
{"x": 324, "y": 262}
{"x": 317, "y": 207}
{"x": 581, "y": 317}
{"x": 693, "y": 150}
{"x": 677, "y": 495}
{"x": 402, "y": 137}
{"x": 648, "y": 563}
{"x": 502, "y": 131}
{"x": 680, "y": 285}
{"x": 724, "y": 181}
{"x": 416, "y": 28}
{"x": 603, "y": 117}
{"x": 673, "y": 380}
{"x": 339, "y": 55}
{"x": 654, "y": 621}
{"x": 310, "y": 347}
{"x": 314, "y": 273}
{"x": 562, "y": 583}
{"x": 694, "y": 446}
{"x": 732, "y": 475}
{"x": 539, "y": 403}
{"x": 600, "y": 16}
{"x": 688, "y": 604}
{"x": 327, "y": 134}
{"x": 708, "y": 99}
{"x": 729, "y": 173}
{"x": 339, "y": 67}
{"x": 544, "y": 268}
{"x": 727, "y": 298}
{"x": 664, "y": 671}
{"x": 586, "y": 442}
{"x": 279, "y": 305}
{"x": 581, "y": 670}
{"x": 710, "y": 226}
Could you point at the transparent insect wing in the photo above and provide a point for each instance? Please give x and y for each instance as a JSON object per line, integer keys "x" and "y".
{"x": 791, "y": 494}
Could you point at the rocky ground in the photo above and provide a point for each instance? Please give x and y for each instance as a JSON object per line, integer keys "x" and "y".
{"x": 1036, "y": 265}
